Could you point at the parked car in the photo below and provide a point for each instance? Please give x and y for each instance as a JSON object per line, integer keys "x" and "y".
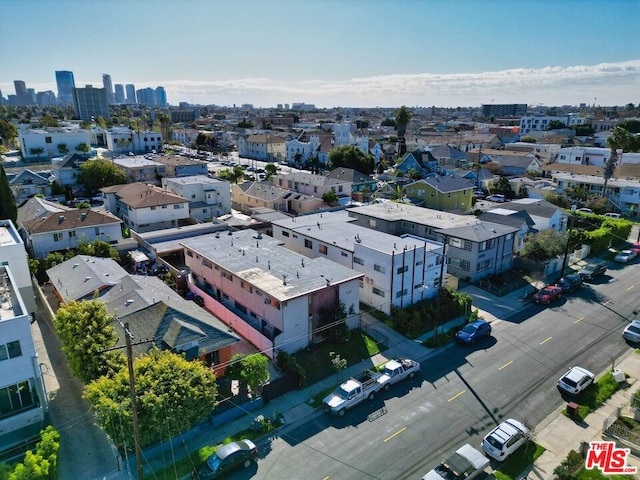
{"x": 584, "y": 210}
{"x": 505, "y": 439}
{"x": 593, "y": 270}
{"x": 632, "y": 331}
{"x": 570, "y": 283}
{"x": 635, "y": 247}
{"x": 474, "y": 331}
{"x": 547, "y": 295}
{"x": 612, "y": 215}
{"x": 226, "y": 458}
{"x": 625, "y": 256}
{"x": 576, "y": 380}
{"x": 496, "y": 197}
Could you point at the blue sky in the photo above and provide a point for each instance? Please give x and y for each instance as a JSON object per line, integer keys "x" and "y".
{"x": 332, "y": 52}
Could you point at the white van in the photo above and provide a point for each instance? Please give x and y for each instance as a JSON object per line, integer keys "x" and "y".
{"x": 613, "y": 215}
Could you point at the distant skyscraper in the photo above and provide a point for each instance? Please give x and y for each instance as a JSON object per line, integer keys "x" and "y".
{"x": 147, "y": 96}
{"x": 47, "y": 98}
{"x": 106, "y": 83}
{"x": 131, "y": 93}
{"x": 66, "y": 84}
{"x": 161, "y": 97}
{"x": 21, "y": 92}
{"x": 90, "y": 103}
{"x": 31, "y": 97}
{"x": 120, "y": 98}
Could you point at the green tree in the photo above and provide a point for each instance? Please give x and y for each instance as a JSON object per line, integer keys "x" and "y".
{"x": 414, "y": 174}
{"x": 350, "y": 156}
{"x": 85, "y": 330}
{"x": 8, "y": 131}
{"x": 338, "y": 363}
{"x": 632, "y": 125}
{"x": 43, "y": 463}
{"x": 48, "y": 121}
{"x": 584, "y": 130}
{"x": 270, "y": 169}
{"x": 208, "y": 142}
{"x": 173, "y": 395}
{"x": 244, "y": 123}
{"x": 83, "y": 147}
{"x": 8, "y": 208}
{"x": 555, "y": 125}
{"x": 232, "y": 176}
{"x": 99, "y": 173}
{"x": 165, "y": 126}
{"x": 388, "y": 122}
{"x": 528, "y": 139}
{"x": 402, "y": 117}
{"x": 251, "y": 371}
{"x": 62, "y": 148}
{"x": 333, "y": 322}
{"x": 329, "y": 197}
{"x": 360, "y": 124}
{"x": 97, "y": 248}
{"x": 85, "y": 124}
{"x": 36, "y": 151}
{"x": 544, "y": 245}
{"x": 503, "y": 186}
{"x": 101, "y": 122}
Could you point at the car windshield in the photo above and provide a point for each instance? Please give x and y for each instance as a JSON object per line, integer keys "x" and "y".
{"x": 495, "y": 442}
{"x": 469, "y": 328}
{"x": 568, "y": 381}
{"x": 214, "y": 462}
{"x": 343, "y": 394}
{"x": 633, "y": 328}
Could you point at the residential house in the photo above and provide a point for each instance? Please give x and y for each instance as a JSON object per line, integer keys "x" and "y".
{"x": 180, "y": 166}
{"x": 151, "y": 309}
{"x": 448, "y": 155}
{"x": 510, "y": 162}
{"x": 61, "y": 231}
{"x": 445, "y": 193}
{"x": 362, "y": 186}
{"x": 208, "y": 197}
{"x": 45, "y": 143}
{"x": 271, "y": 296}
{"x": 248, "y": 195}
{"x": 306, "y": 147}
{"x": 269, "y": 148}
{"x": 472, "y": 141}
{"x": 422, "y": 162}
{"x": 141, "y": 169}
{"x": 27, "y": 184}
{"x": 144, "y": 208}
{"x": 122, "y": 140}
{"x": 531, "y": 123}
{"x": 67, "y": 170}
{"x": 595, "y": 156}
{"x": 468, "y": 262}
{"x": 313, "y": 185}
{"x": 544, "y": 214}
{"x": 398, "y": 271}
{"x": 516, "y": 219}
{"x": 14, "y": 255}
{"x": 481, "y": 178}
{"x": 23, "y": 399}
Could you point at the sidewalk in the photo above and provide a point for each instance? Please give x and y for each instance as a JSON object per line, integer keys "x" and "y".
{"x": 557, "y": 433}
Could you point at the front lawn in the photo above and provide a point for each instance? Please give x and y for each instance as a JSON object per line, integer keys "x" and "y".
{"x": 316, "y": 360}
{"x": 572, "y": 468}
{"x": 595, "y": 395}
{"x": 519, "y": 461}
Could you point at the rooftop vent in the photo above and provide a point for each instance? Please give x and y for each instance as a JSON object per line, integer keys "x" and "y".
{"x": 128, "y": 302}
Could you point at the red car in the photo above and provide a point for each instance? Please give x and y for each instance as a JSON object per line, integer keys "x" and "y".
{"x": 547, "y": 295}
{"x": 636, "y": 248}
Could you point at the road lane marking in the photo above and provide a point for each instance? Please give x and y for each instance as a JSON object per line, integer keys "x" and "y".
{"x": 630, "y": 288}
{"x": 605, "y": 303}
{"x": 545, "y": 340}
{"x": 456, "y": 396}
{"x": 579, "y": 320}
{"x": 326, "y": 478}
{"x": 397, "y": 433}
{"x": 506, "y": 365}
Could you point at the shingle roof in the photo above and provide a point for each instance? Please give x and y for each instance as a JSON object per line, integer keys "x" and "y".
{"x": 479, "y": 232}
{"x": 140, "y": 195}
{"x": 446, "y": 184}
{"x": 37, "y": 207}
{"x": 69, "y": 220}
{"x": 350, "y": 175}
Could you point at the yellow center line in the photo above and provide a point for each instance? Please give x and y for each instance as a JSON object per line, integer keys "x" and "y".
{"x": 506, "y": 365}
{"x": 606, "y": 302}
{"x": 630, "y": 288}
{"x": 326, "y": 478}
{"x": 456, "y": 396}
{"x": 545, "y": 340}
{"x": 397, "y": 433}
{"x": 579, "y": 320}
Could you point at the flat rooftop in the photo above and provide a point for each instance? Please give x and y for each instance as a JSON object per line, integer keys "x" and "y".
{"x": 393, "y": 212}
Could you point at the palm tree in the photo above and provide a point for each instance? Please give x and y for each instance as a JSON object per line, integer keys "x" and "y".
{"x": 165, "y": 125}
{"x": 618, "y": 139}
{"x": 402, "y": 117}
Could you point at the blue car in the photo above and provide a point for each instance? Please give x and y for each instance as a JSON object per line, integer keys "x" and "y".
{"x": 474, "y": 331}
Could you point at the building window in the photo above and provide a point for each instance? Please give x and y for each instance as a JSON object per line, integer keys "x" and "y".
{"x": 402, "y": 269}
{"x": 410, "y": 225}
{"x": 57, "y": 237}
{"x": 401, "y": 293}
{"x": 190, "y": 253}
{"x": 15, "y": 398}
{"x": 418, "y": 263}
{"x": 322, "y": 249}
{"x": 285, "y": 233}
{"x": 460, "y": 243}
{"x": 308, "y": 243}
{"x": 246, "y": 286}
{"x": 361, "y": 284}
{"x": 378, "y": 292}
{"x": 357, "y": 260}
{"x": 177, "y": 206}
{"x": 47, "y": 139}
{"x": 344, "y": 254}
{"x": 207, "y": 263}
{"x": 487, "y": 245}
{"x": 483, "y": 265}
{"x": 154, "y": 208}
{"x": 379, "y": 268}
{"x": 372, "y": 223}
{"x": 72, "y": 234}
{"x": 417, "y": 287}
{"x": 14, "y": 349}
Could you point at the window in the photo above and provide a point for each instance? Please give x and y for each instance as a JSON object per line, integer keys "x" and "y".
{"x": 402, "y": 269}
{"x": 14, "y": 349}
{"x": 15, "y": 398}
{"x": 488, "y": 244}
{"x": 401, "y": 293}
{"x": 207, "y": 263}
{"x": 417, "y": 286}
{"x": 483, "y": 265}
{"x": 379, "y": 268}
{"x": 177, "y": 206}
{"x": 72, "y": 234}
{"x": 97, "y": 230}
{"x": 3, "y": 352}
{"x": 378, "y": 292}
{"x": 154, "y": 208}
{"x": 357, "y": 260}
{"x": 460, "y": 243}
{"x": 372, "y": 223}
{"x": 361, "y": 284}
{"x": 418, "y": 263}
{"x": 47, "y": 139}
{"x": 409, "y": 225}
{"x": 285, "y": 233}
{"x": 57, "y": 237}
{"x": 164, "y": 206}
{"x": 246, "y": 286}
{"x": 322, "y": 249}
{"x": 308, "y": 243}
{"x": 344, "y": 254}
{"x": 190, "y": 253}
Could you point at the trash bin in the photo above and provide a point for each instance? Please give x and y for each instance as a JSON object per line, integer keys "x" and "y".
{"x": 618, "y": 375}
{"x": 572, "y": 410}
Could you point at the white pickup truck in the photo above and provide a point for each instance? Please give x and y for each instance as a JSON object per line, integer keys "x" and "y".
{"x": 352, "y": 392}
{"x": 464, "y": 464}
{"x": 397, "y": 370}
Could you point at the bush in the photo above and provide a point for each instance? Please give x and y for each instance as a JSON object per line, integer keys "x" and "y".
{"x": 41, "y": 464}
{"x": 569, "y": 466}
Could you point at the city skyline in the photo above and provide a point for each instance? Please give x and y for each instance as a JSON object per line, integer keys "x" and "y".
{"x": 334, "y": 53}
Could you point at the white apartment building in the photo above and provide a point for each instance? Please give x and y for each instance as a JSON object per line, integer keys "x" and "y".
{"x": 14, "y": 253}
{"x": 23, "y": 400}
{"x": 594, "y": 156}
{"x": 268, "y": 294}
{"x": 313, "y": 185}
{"x": 208, "y": 198}
{"x": 145, "y": 208}
{"x": 45, "y": 143}
{"x": 398, "y": 271}
{"x": 269, "y": 148}
{"x": 536, "y": 123}
{"x": 140, "y": 169}
{"x": 303, "y": 150}
{"x": 124, "y": 140}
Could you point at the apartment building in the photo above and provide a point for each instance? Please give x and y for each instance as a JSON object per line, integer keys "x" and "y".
{"x": 141, "y": 169}
{"x": 208, "y": 198}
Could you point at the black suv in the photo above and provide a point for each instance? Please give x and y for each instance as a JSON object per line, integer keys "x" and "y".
{"x": 591, "y": 271}
{"x": 570, "y": 283}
